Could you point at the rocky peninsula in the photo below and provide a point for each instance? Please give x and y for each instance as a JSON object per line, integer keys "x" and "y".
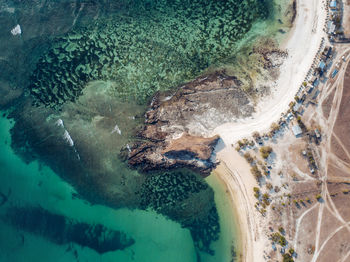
{"x": 175, "y": 124}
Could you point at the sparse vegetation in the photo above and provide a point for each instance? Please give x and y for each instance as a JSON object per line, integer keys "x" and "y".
{"x": 249, "y": 158}
{"x": 287, "y": 258}
{"x": 277, "y": 189}
{"x": 256, "y": 173}
{"x": 265, "y": 151}
{"x": 291, "y": 105}
{"x": 256, "y": 192}
{"x": 256, "y": 136}
{"x": 274, "y": 127}
{"x": 269, "y": 186}
{"x": 318, "y": 197}
{"x": 278, "y": 238}
{"x": 265, "y": 199}
{"x": 281, "y": 230}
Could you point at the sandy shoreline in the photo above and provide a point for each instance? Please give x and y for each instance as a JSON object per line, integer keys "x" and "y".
{"x": 222, "y": 173}
{"x": 302, "y": 45}
{"x": 235, "y": 173}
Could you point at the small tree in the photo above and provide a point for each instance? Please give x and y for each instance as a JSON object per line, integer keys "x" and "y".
{"x": 249, "y": 158}
{"x": 269, "y": 186}
{"x": 281, "y": 230}
{"x": 318, "y": 197}
{"x": 274, "y": 127}
{"x": 282, "y": 241}
{"x": 256, "y": 192}
{"x": 256, "y": 135}
{"x": 256, "y": 172}
{"x": 265, "y": 151}
{"x": 287, "y": 258}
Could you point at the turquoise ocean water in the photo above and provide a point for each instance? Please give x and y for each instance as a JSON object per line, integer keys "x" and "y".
{"x": 91, "y": 67}
{"x": 156, "y": 237}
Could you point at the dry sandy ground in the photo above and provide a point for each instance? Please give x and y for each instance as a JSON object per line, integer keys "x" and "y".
{"x": 302, "y": 45}
{"x": 332, "y": 227}
{"x": 322, "y": 226}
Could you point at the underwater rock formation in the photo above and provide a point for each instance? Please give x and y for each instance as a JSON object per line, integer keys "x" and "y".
{"x": 99, "y": 176}
{"x": 62, "y": 230}
{"x": 148, "y": 46}
{"x": 196, "y": 108}
{"x": 174, "y": 194}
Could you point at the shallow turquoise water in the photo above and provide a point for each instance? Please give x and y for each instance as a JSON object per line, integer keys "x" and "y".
{"x": 156, "y": 237}
{"x": 138, "y": 47}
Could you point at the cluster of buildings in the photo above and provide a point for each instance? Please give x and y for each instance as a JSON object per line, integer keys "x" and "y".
{"x": 310, "y": 90}
{"x": 334, "y": 24}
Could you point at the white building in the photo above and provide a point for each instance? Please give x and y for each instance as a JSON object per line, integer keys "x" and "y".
{"x": 297, "y": 130}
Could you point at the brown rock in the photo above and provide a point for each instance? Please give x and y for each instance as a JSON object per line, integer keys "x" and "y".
{"x": 189, "y": 113}
{"x": 197, "y": 147}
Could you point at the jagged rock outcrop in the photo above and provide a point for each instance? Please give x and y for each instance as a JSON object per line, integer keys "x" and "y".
{"x": 271, "y": 55}
{"x": 187, "y": 151}
{"x": 176, "y": 126}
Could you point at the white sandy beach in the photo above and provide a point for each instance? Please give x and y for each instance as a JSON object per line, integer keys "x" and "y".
{"x": 302, "y": 45}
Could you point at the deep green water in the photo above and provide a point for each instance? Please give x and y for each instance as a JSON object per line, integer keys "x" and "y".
{"x": 88, "y": 69}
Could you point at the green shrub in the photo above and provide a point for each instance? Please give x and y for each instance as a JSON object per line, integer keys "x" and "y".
{"x": 265, "y": 151}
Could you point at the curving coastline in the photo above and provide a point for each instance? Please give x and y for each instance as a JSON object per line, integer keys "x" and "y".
{"x": 302, "y": 46}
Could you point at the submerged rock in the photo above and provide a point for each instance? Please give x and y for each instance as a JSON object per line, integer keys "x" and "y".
{"x": 144, "y": 48}
{"x": 62, "y": 230}
{"x": 179, "y": 194}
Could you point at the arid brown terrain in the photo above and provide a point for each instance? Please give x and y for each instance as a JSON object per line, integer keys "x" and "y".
{"x": 304, "y": 185}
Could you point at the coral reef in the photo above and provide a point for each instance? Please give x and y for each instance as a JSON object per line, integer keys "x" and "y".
{"x": 172, "y": 193}
{"x": 98, "y": 175}
{"x": 146, "y": 47}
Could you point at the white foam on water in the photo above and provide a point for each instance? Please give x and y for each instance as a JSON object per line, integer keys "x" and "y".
{"x": 59, "y": 122}
{"x": 68, "y": 138}
{"x": 116, "y": 129}
{"x": 16, "y": 30}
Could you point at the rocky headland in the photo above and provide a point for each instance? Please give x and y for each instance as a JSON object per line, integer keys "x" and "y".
{"x": 176, "y": 125}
